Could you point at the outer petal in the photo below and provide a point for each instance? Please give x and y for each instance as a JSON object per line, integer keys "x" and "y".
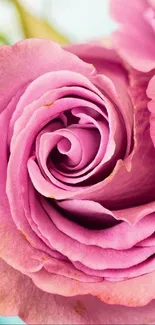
{"x": 152, "y": 3}
{"x": 131, "y": 11}
{"x": 134, "y": 292}
{"x": 37, "y": 307}
{"x": 104, "y": 58}
{"x": 151, "y": 107}
{"x": 31, "y": 58}
{"x": 134, "y": 40}
{"x": 13, "y": 246}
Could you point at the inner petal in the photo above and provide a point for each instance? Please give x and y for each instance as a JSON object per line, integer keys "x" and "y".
{"x": 64, "y": 146}
{"x": 95, "y": 145}
{"x": 87, "y": 145}
{"x": 71, "y": 150}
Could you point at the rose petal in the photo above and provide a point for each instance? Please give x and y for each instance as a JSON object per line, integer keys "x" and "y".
{"x": 134, "y": 40}
{"x": 105, "y": 238}
{"x": 54, "y": 309}
{"x": 112, "y": 78}
{"x": 17, "y": 64}
{"x": 14, "y": 248}
{"x": 91, "y": 256}
{"x": 151, "y": 106}
{"x": 134, "y": 292}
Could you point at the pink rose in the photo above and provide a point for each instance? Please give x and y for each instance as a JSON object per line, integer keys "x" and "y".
{"x": 135, "y": 43}
{"x": 135, "y": 39}
{"x": 77, "y": 187}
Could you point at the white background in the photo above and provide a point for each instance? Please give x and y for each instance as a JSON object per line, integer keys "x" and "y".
{"x": 80, "y": 20}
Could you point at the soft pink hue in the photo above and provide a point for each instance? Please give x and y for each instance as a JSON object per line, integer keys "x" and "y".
{"x": 38, "y": 307}
{"x": 76, "y": 186}
{"x": 134, "y": 40}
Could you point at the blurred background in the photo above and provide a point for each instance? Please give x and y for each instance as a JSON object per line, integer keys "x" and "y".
{"x": 64, "y": 21}
{"x": 61, "y": 20}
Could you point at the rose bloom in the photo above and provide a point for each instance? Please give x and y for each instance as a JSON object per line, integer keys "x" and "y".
{"x": 135, "y": 43}
{"x": 77, "y": 187}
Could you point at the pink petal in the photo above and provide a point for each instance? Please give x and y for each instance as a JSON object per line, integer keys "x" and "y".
{"x": 25, "y": 299}
{"x": 105, "y": 238}
{"x": 134, "y": 41}
{"x": 152, "y": 2}
{"x": 14, "y": 248}
{"x": 21, "y": 57}
{"x": 133, "y": 292}
{"x": 91, "y": 256}
{"x": 112, "y": 77}
{"x": 151, "y": 107}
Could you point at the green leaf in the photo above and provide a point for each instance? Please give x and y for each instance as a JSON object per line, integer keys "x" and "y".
{"x": 35, "y": 27}
{"x": 3, "y": 39}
